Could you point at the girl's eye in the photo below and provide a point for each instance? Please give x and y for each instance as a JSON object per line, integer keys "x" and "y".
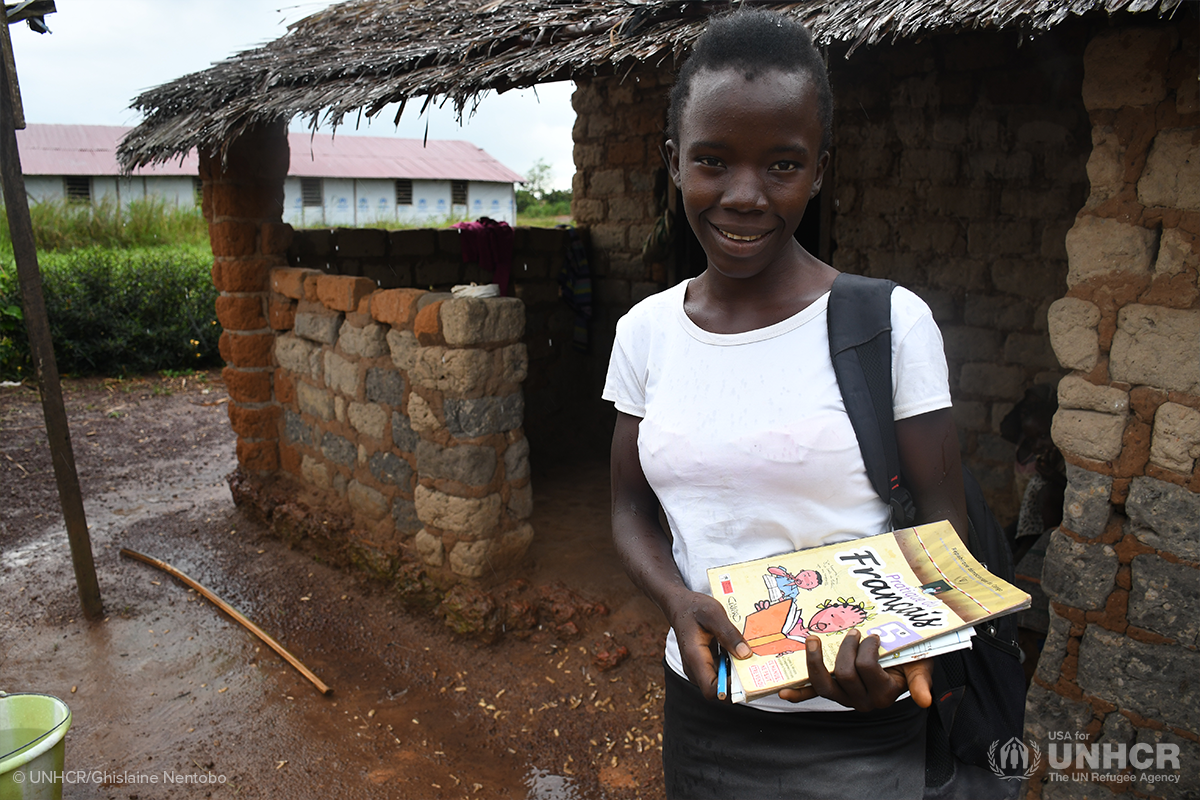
{"x": 785, "y": 166}
{"x": 708, "y": 161}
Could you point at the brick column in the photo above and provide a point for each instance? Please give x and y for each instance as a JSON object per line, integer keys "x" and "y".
{"x": 243, "y": 203}
{"x": 1118, "y": 663}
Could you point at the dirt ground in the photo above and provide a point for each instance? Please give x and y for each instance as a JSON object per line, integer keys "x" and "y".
{"x": 171, "y": 698}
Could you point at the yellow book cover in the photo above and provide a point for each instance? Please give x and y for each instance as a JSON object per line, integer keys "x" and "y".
{"x": 907, "y": 586}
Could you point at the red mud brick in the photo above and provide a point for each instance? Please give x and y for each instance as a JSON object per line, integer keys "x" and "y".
{"x": 342, "y": 292}
{"x": 232, "y": 238}
{"x": 285, "y": 388}
{"x": 241, "y": 313}
{"x": 242, "y": 274}
{"x": 289, "y": 281}
{"x": 310, "y": 287}
{"x": 225, "y": 346}
{"x": 254, "y": 423}
{"x": 281, "y": 313}
{"x": 247, "y": 387}
{"x": 276, "y": 238}
{"x": 251, "y": 350}
{"x": 245, "y": 201}
{"x": 258, "y": 456}
{"x": 428, "y": 324}
{"x": 396, "y": 307}
{"x": 289, "y": 458}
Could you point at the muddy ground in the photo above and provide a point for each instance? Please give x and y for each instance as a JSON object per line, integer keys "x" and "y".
{"x": 165, "y": 689}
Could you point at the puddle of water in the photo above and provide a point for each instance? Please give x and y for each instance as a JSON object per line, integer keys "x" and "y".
{"x": 543, "y": 785}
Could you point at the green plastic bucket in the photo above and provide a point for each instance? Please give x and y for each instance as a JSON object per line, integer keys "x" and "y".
{"x": 32, "y": 727}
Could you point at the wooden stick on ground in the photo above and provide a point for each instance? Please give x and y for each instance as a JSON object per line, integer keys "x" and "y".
{"x": 231, "y": 611}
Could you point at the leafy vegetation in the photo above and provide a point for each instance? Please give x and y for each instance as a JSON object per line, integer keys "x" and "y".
{"x": 126, "y": 292}
{"x": 537, "y": 201}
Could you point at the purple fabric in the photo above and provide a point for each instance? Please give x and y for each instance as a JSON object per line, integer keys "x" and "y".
{"x": 491, "y": 244}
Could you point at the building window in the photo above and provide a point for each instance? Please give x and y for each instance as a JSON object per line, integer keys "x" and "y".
{"x": 198, "y": 191}
{"x": 404, "y": 192}
{"x": 458, "y": 193}
{"x": 78, "y": 188}
{"x": 312, "y": 192}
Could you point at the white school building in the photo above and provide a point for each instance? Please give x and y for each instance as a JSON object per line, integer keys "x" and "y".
{"x": 350, "y": 181}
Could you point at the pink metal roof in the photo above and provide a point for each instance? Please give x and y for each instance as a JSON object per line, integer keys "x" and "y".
{"x": 91, "y": 150}
{"x": 85, "y": 150}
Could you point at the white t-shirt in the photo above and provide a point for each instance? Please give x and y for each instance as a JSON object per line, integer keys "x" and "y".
{"x": 744, "y": 437}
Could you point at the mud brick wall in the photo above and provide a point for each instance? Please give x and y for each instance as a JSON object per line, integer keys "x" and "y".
{"x": 432, "y": 259}
{"x": 958, "y": 169}
{"x": 243, "y": 203}
{"x": 1121, "y": 660}
{"x": 618, "y": 192}
{"x": 406, "y": 405}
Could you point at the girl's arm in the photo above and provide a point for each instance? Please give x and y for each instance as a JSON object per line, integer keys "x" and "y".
{"x": 932, "y": 468}
{"x": 645, "y": 550}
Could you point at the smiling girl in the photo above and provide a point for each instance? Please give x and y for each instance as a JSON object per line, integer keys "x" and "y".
{"x": 731, "y": 421}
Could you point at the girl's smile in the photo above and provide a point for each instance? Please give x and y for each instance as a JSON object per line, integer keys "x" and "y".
{"x": 747, "y": 160}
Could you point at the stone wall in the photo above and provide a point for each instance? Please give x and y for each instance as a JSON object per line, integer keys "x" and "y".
{"x": 958, "y": 169}
{"x": 405, "y": 406}
{"x": 1121, "y": 657}
{"x": 432, "y": 259}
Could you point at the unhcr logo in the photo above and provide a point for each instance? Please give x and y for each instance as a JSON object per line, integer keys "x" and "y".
{"x": 1012, "y": 761}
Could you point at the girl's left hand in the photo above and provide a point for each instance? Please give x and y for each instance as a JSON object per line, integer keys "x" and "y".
{"x": 858, "y": 681}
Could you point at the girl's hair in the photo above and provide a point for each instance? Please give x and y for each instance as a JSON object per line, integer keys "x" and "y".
{"x": 754, "y": 40}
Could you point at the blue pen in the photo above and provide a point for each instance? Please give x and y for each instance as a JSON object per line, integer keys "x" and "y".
{"x": 722, "y": 674}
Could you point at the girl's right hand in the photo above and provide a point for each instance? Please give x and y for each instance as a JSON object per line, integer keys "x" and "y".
{"x": 699, "y": 620}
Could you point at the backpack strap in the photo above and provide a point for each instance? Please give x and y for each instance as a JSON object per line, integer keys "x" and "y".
{"x": 860, "y": 346}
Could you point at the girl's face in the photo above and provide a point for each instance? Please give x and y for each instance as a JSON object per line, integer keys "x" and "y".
{"x": 747, "y": 160}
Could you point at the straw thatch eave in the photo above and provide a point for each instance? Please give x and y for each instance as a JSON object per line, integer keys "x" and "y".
{"x": 363, "y": 55}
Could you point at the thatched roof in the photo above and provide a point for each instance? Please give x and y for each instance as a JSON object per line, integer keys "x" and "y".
{"x": 362, "y": 55}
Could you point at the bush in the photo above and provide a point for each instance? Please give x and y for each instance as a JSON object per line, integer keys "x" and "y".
{"x": 117, "y": 311}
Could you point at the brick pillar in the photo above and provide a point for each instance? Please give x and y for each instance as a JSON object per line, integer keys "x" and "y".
{"x": 1117, "y": 668}
{"x": 243, "y": 203}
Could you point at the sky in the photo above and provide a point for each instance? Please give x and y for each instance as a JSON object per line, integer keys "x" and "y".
{"x": 103, "y": 53}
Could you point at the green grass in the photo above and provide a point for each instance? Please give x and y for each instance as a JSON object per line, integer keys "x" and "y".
{"x": 59, "y": 226}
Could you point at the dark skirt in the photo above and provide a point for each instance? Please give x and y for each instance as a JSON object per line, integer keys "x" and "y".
{"x": 733, "y": 752}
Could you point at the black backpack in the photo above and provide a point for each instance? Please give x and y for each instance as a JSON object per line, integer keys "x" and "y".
{"x": 978, "y": 694}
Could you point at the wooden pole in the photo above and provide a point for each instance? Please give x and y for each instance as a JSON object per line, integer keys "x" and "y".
{"x": 231, "y": 611}
{"x": 41, "y": 348}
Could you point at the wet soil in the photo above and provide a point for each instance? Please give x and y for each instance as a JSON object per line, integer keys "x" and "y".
{"x": 171, "y": 698}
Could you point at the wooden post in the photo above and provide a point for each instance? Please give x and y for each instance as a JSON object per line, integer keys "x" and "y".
{"x": 20, "y": 228}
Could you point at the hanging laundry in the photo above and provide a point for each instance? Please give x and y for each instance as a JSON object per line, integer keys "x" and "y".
{"x": 491, "y": 244}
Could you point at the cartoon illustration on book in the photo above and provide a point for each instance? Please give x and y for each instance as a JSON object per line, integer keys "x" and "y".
{"x": 917, "y": 589}
{"x": 777, "y": 625}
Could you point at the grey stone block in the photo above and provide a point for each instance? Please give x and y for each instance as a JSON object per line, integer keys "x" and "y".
{"x": 1086, "y": 506}
{"x": 385, "y": 386}
{"x": 1055, "y": 648}
{"x": 390, "y": 468}
{"x": 1171, "y": 755}
{"x": 403, "y": 436}
{"x": 468, "y": 419}
{"x": 1078, "y": 574}
{"x": 404, "y": 514}
{"x": 1165, "y": 598}
{"x": 296, "y": 429}
{"x": 321, "y": 328}
{"x": 1167, "y": 514}
{"x": 1155, "y": 680}
{"x": 1047, "y": 711}
{"x": 339, "y": 449}
{"x": 516, "y": 461}
{"x": 466, "y": 463}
